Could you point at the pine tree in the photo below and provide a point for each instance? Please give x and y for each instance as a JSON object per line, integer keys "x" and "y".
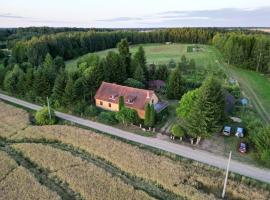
{"x": 125, "y": 56}
{"x": 175, "y": 88}
{"x": 152, "y": 118}
{"x": 140, "y": 59}
{"x": 59, "y": 86}
{"x": 139, "y": 74}
{"x": 147, "y": 114}
{"x": 207, "y": 111}
{"x": 121, "y": 102}
{"x": 69, "y": 95}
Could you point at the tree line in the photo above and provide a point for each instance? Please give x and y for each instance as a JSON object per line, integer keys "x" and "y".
{"x": 247, "y": 51}
{"x": 72, "y": 44}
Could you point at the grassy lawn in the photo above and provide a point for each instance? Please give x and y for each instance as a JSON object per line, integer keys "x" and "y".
{"x": 162, "y": 54}
{"x": 256, "y": 82}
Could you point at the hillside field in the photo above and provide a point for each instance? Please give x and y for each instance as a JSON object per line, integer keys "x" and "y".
{"x": 163, "y": 53}
{"x": 62, "y": 161}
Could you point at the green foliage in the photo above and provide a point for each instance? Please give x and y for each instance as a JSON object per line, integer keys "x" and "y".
{"x": 127, "y": 116}
{"x": 69, "y": 96}
{"x": 42, "y": 117}
{"x": 121, "y": 103}
{"x": 147, "y": 115}
{"x": 107, "y": 117}
{"x": 91, "y": 111}
{"x": 139, "y": 74}
{"x": 125, "y": 56}
{"x": 115, "y": 71}
{"x": 186, "y": 103}
{"x": 150, "y": 115}
{"x": 59, "y": 86}
{"x": 172, "y": 64}
{"x": 175, "y": 87}
{"x": 140, "y": 60}
{"x": 152, "y": 118}
{"x": 208, "y": 109}
{"x": 134, "y": 83}
{"x": 262, "y": 144}
{"x": 162, "y": 73}
{"x": 178, "y": 131}
{"x": 14, "y": 80}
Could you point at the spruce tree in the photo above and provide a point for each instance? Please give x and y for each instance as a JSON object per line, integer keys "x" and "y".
{"x": 69, "y": 94}
{"x": 175, "y": 88}
{"x": 140, "y": 59}
{"x": 59, "y": 86}
{"x": 139, "y": 74}
{"x": 125, "y": 56}
{"x": 147, "y": 114}
{"x": 208, "y": 109}
{"x": 152, "y": 118}
{"x": 121, "y": 102}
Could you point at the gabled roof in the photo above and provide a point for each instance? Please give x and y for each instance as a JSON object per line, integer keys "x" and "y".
{"x": 106, "y": 90}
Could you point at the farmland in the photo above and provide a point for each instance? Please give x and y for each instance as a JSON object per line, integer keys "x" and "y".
{"x": 89, "y": 158}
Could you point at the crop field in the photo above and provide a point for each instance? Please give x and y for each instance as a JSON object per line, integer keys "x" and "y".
{"x": 162, "y": 54}
{"x": 17, "y": 183}
{"x": 89, "y": 165}
{"x": 12, "y": 120}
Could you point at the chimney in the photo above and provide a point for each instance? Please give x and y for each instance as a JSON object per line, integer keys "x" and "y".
{"x": 148, "y": 95}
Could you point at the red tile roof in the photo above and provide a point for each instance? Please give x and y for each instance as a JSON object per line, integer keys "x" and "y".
{"x": 106, "y": 90}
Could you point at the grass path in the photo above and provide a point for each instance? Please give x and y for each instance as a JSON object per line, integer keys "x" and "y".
{"x": 257, "y": 89}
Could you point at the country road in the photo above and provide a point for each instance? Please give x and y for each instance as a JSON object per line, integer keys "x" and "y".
{"x": 184, "y": 151}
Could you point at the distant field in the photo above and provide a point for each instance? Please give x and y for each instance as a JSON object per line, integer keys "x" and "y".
{"x": 77, "y": 163}
{"x": 162, "y": 54}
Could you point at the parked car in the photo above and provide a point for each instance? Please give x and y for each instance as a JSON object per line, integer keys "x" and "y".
{"x": 242, "y": 147}
{"x": 239, "y": 132}
{"x": 227, "y": 130}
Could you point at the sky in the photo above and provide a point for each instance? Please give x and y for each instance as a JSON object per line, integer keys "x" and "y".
{"x": 135, "y": 13}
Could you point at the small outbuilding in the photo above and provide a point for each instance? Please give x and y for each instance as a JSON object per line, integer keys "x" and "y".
{"x": 156, "y": 85}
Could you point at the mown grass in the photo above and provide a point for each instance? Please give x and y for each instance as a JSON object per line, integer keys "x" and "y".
{"x": 258, "y": 82}
{"x": 162, "y": 54}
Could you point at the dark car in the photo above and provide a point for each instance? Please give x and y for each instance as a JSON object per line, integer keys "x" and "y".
{"x": 242, "y": 147}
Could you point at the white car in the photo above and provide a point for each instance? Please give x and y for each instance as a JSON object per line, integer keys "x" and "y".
{"x": 239, "y": 132}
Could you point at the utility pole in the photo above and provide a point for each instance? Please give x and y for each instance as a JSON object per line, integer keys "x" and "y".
{"x": 49, "y": 109}
{"x": 226, "y": 177}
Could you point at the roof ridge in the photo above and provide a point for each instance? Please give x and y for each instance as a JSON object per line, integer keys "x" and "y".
{"x": 128, "y": 87}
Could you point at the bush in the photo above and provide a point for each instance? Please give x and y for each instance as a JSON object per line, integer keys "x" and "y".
{"x": 91, "y": 111}
{"x": 107, "y": 117}
{"x": 80, "y": 108}
{"x": 42, "y": 117}
{"x": 134, "y": 83}
{"x": 127, "y": 116}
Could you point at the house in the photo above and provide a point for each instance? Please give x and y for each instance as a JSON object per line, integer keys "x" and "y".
{"x": 156, "y": 85}
{"x": 107, "y": 97}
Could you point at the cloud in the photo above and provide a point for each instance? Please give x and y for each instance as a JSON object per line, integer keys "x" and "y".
{"x": 121, "y": 19}
{"x": 10, "y": 16}
{"x": 219, "y": 17}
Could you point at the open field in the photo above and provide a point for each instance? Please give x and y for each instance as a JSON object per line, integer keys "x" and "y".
{"x": 162, "y": 54}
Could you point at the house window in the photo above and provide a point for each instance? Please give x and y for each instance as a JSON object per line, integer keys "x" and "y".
{"x": 101, "y": 103}
{"x": 110, "y": 105}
